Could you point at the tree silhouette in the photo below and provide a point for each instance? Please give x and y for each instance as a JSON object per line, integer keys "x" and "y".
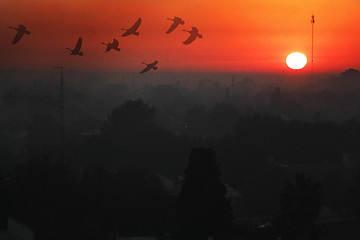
{"x": 300, "y": 206}
{"x": 131, "y": 136}
{"x": 133, "y": 115}
{"x": 224, "y": 116}
{"x": 60, "y": 202}
{"x": 202, "y": 209}
{"x": 353, "y": 194}
{"x": 127, "y": 201}
{"x": 3, "y": 202}
{"x": 42, "y": 136}
{"x": 43, "y": 194}
{"x": 197, "y": 121}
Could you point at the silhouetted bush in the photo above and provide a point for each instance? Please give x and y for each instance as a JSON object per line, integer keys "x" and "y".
{"x": 300, "y": 207}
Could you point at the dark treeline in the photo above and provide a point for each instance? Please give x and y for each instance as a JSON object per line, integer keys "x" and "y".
{"x": 59, "y": 202}
{"x": 142, "y": 167}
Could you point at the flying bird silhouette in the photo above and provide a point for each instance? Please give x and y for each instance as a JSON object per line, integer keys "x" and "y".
{"x": 21, "y": 30}
{"x": 149, "y": 66}
{"x": 194, "y": 33}
{"x": 76, "y": 50}
{"x": 176, "y": 22}
{"x": 114, "y": 45}
{"x": 133, "y": 29}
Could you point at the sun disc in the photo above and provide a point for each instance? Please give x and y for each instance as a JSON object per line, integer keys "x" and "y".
{"x": 296, "y": 60}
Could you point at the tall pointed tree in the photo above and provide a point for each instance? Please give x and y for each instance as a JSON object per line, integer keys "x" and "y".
{"x": 202, "y": 209}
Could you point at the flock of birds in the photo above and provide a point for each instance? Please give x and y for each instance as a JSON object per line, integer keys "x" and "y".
{"x": 194, "y": 33}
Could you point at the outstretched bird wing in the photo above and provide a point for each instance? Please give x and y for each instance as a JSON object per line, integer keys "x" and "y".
{"x": 127, "y": 33}
{"x": 78, "y": 45}
{"x": 115, "y": 43}
{"x": 172, "y": 27}
{"x": 190, "y": 39}
{"x": 18, "y": 36}
{"x": 133, "y": 29}
{"x": 136, "y": 25}
{"x": 147, "y": 68}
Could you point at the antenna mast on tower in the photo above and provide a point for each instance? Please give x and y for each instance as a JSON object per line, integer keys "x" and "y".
{"x": 312, "y": 46}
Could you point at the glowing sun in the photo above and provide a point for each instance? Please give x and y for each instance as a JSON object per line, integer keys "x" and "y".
{"x": 296, "y": 60}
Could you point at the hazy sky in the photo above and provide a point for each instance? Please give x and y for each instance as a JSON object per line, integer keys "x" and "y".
{"x": 239, "y": 35}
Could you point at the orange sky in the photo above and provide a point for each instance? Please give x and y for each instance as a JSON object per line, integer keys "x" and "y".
{"x": 239, "y": 35}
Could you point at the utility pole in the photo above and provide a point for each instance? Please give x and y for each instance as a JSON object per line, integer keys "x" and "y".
{"x": 61, "y": 113}
{"x": 312, "y": 46}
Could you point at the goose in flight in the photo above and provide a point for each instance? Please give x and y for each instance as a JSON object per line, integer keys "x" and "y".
{"x": 149, "y": 66}
{"x": 194, "y": 33}
{"x": 76, "y": 50}
{"x": 176, "y": 22}
{"x": 21, "y": 30}
{"x": 114, "y": 45}
{"x": 133, "y": 29}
